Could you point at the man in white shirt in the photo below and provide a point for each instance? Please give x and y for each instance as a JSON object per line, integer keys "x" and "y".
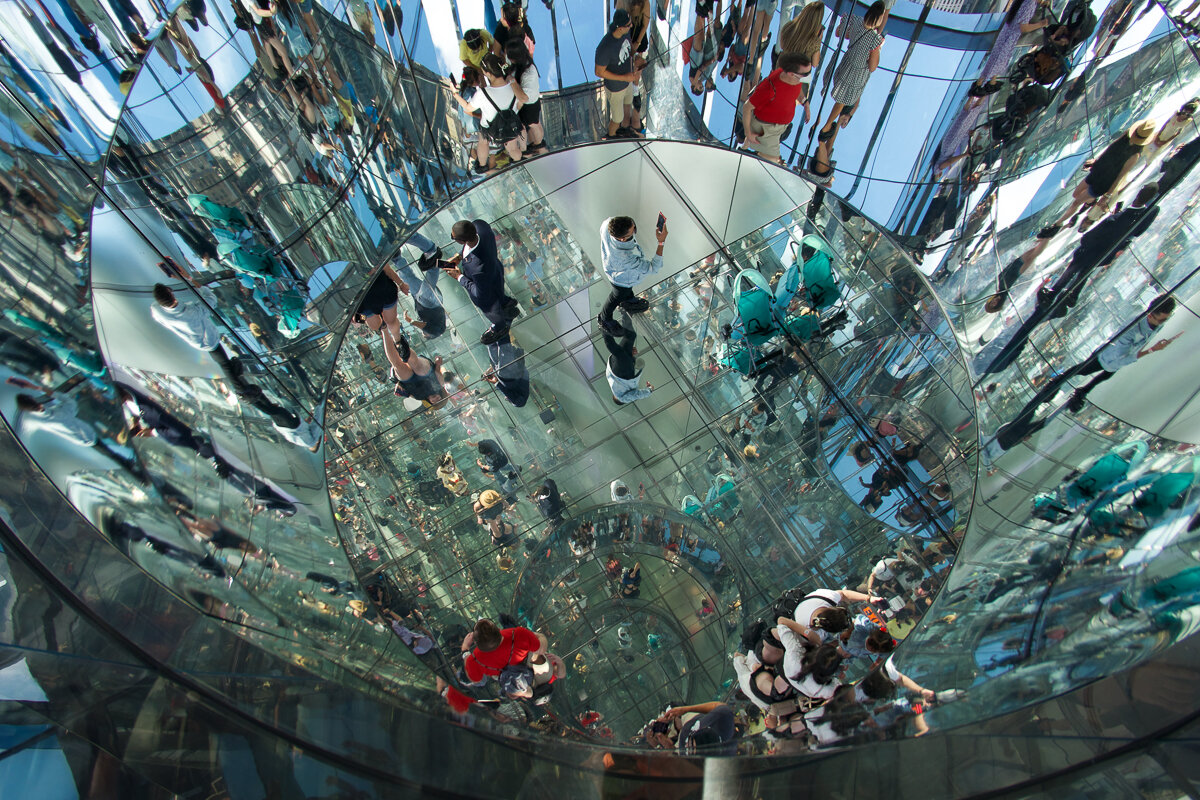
{"x": 192, "y": 322}
{"x": 60, "y": 416}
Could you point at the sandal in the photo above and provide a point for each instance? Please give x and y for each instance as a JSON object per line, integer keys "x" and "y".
{"x": 825, "y": 135}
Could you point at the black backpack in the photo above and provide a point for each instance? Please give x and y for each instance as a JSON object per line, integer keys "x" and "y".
{"x": 506, "y": 125}
{"x": 433, "y": 493}
{"x": 1027, "y": 100}
{"x": 1079, "y": 19}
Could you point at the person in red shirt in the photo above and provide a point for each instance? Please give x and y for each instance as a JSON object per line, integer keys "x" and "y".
{"x": 772, "y": 105}
{"x": 494, "y": 649}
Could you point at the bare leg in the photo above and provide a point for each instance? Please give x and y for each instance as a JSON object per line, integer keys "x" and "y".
{"x": 1078, "y": 198}
{"x": 834, "y": 113}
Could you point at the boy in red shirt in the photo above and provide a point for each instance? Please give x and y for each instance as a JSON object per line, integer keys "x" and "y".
{"x": 772, "y": 105}
{"x": 495, "y": 649}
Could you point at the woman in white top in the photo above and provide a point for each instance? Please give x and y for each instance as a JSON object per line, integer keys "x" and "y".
{"x": 810, "y": 666}
{"x": 821, "y": 610}
{"x": 840, "y": 717}
{"x": 501, "y": 93}
{"x": 526, "y": 73}
{"x": 771, "y": 692}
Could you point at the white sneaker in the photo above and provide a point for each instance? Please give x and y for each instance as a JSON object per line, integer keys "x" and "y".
{"x": 307, "y": 435}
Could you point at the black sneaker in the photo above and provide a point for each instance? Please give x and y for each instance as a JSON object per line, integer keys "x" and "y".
{"x": 1076, "y": 403}
{"x": 610, "y": 326}
{"x": 636, "y": 306}
{"x": 512, "y": 309}
{"x": 429, "y": 261}
{"x": 494, "y": 334}
{"x": 1049, "y": 232}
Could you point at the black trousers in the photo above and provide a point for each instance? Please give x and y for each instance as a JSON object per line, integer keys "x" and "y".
{"x": 619, "y": 294}
{"x": 1024, "y": 423}
{"x": 620, "y": 357}
{"x": 252, "y": 393}
{"x": 1052, "y": 303}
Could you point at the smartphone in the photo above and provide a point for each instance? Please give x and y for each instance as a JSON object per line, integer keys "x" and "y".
{"x": 662, "y": 222}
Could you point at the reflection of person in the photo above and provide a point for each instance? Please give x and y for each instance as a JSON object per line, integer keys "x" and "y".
{"x": 475, "y": 44}
{"x": 772, "y": 105}
{"x": 625, "y": 265}
{"x": 427, "y": 302}
{"x": 490, "y": 649}
{"x": 530, "y": 112}
{"x": 1122, "y": 351}
{"x": 507, "y": 371}
{"x": 416, "y": 376}
{"x": 489, "y": 510}
{"x": 631, "y": 582}
{"x": 1098, "y": 247}
{"x": 615, "y": 66}
{"x": 622, "y": 369}
{"x": 192, "y": 322}
{"x": 701, "y": 726}
{"x": 148, "y": 418}
{"x": 451, "y": 476}
{"x": 1107, "y": 170}
{"x": 859, "y": 61}
{"x": 1012, "y": 271}
{"x": 494, "y": 461}
{"x": 549, "y": 502}
{"x": 479, "y": 270}
{"x": 60, "y": 416}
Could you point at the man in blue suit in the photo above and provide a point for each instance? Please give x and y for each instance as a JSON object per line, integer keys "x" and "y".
{"x": 480, "y": 272}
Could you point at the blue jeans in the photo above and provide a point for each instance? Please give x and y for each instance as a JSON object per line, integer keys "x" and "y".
{"x": 424, "y": 286}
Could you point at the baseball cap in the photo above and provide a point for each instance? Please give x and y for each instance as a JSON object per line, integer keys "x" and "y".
{"x": 620, "y": 19}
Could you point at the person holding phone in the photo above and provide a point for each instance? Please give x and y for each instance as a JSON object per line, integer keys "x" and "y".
{"x": 479, "y": 270}
{"x": 1122, "y": 351}
{"x": 625, "y": 265}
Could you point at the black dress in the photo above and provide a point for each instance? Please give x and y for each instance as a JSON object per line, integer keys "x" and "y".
{"x": 1107, "y": 167}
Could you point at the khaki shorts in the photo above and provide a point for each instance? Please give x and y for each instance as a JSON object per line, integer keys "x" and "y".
{"x": 768, "y": 134}
{"x": 618, "y": 101}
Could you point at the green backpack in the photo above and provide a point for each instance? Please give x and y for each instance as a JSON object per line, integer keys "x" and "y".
{"x": 1165, "y": 490}
{"x": 752, "y": 296}
{"x": 819, "y": 280}
{"x": 1109, "y": 470}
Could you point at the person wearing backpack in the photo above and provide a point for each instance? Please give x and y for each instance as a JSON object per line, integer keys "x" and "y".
{"x": 498, "y": 103}
{"x": 489, "y": 649}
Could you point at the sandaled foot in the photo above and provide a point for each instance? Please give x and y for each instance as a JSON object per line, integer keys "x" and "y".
{"x": 825, "y": 135}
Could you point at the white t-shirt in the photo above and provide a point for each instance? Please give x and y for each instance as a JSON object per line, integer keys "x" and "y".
{"x": 883, "y": 570}
{"x": 817, "y": 599}
{"x": 530, "y": 80}
{"x": 501, "y": 96}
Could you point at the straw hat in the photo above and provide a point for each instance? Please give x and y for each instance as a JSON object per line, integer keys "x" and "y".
{"x": 1142, "y": 132}
{"x": 750, "y": 451}
{"x": 489, "y": 498}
